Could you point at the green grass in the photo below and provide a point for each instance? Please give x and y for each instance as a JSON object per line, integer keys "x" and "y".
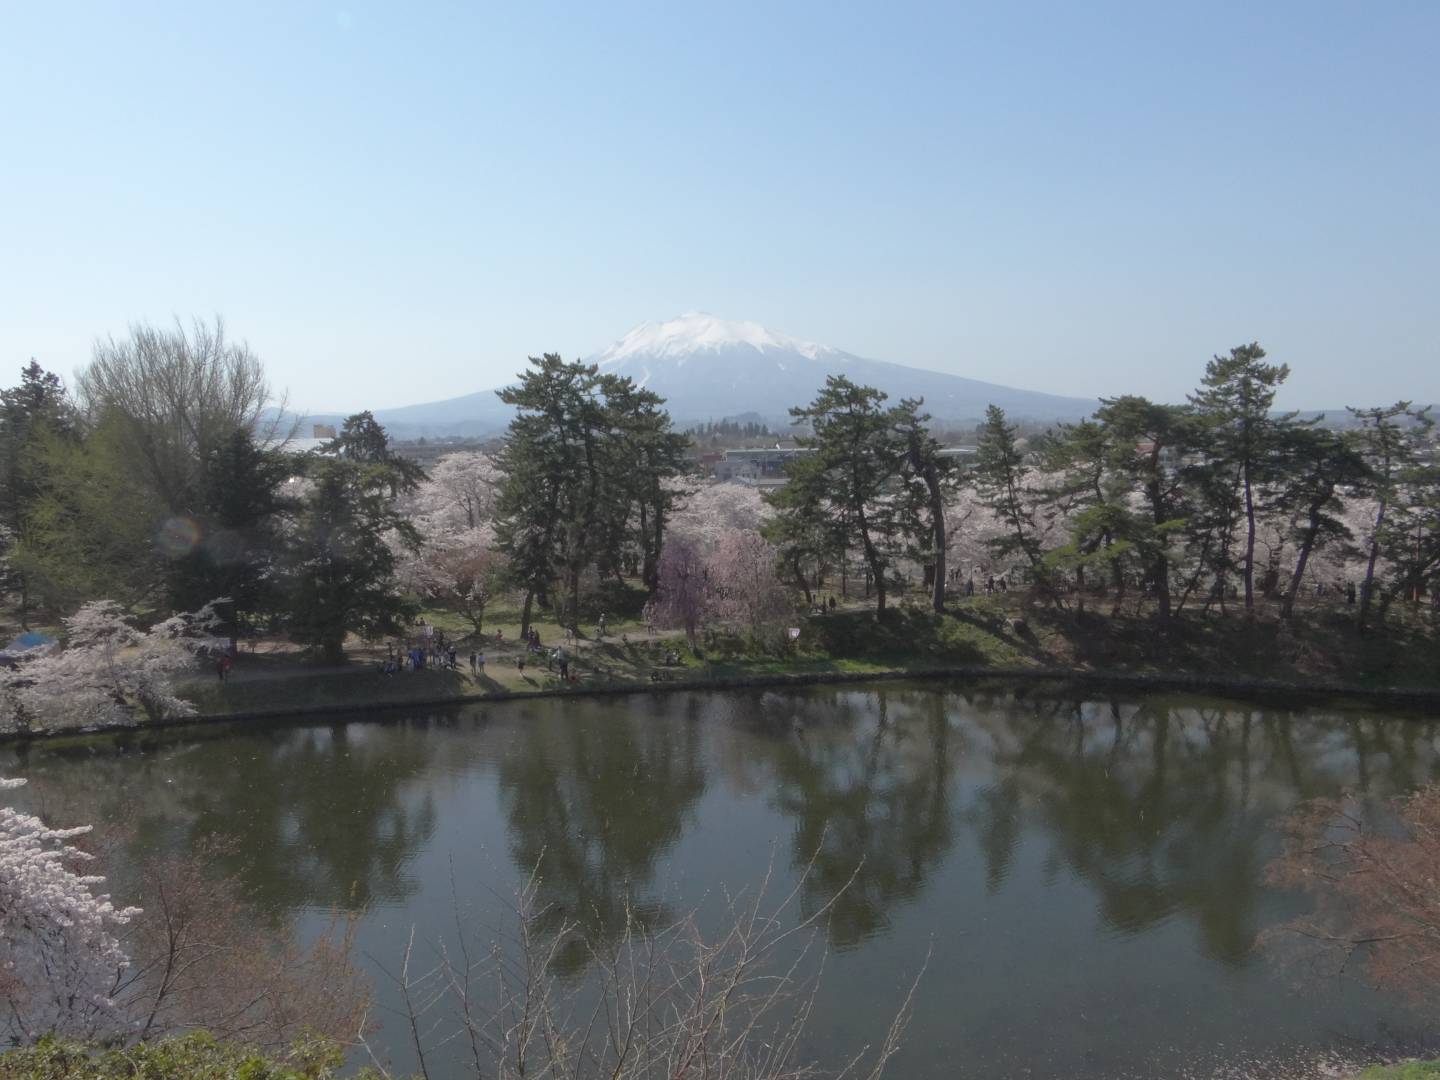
{"x": 982, "y": 632}
{"x": 197, "y": 1056}
{"x": 1409, "y": 1070}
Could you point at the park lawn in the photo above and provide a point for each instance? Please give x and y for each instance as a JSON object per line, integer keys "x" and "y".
{"x": 994, "y": 632}
{"x": 1408, "y": 1070}
{"x": 847, "y": 642}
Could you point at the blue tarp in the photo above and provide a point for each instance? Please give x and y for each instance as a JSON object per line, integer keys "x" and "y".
{"x": 31, "y": 639}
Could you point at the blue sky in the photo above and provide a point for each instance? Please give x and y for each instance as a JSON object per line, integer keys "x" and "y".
{"x": 398, "y": 203}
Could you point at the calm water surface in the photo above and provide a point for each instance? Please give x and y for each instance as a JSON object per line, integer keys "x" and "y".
{"x": 1088, "y": 873}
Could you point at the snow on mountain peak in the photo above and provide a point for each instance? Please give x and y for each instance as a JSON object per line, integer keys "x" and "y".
{"x": 699, "y": 332}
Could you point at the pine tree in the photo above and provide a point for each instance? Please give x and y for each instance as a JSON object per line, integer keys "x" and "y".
{"x": 1236, "y": 398}
{"x": 1000, "y": 477}
{"x": 926, "y": 477}
{"x": 839, "y": 490}
{"x": 340, "y": 569}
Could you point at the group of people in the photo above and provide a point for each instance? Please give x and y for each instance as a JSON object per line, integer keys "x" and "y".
{"x": 426, "y": 648}
{"x": 419, "y": 658}
{"x": 965, "y": 585}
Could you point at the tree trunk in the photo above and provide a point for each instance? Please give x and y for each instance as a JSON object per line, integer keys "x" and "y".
{"x": 652, "y": 564}
{"x": 1160, "y": 571}
{"x": 1249, "y": 541}
{"x": 877, "y": 568}
{"x": 1367, "y": 587}
{"x": 1306, "y": 545}
{"x": 799, "y": 575}
{"x": 525, "y": 613}
{"x": 937, "y": 527}
{"x": 1162, "y": 586}
{"x": 573, "y": 604}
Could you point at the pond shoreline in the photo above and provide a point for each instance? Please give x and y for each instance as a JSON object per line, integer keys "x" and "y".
{"x": 1218, "y": 685}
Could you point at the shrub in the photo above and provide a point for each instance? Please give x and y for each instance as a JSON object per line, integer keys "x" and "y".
{"x": 197, "y": 1056}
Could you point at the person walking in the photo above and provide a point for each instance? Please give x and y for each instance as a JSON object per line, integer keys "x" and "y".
{"x": 480, "y": 664}
{"x": 472, "y": 662}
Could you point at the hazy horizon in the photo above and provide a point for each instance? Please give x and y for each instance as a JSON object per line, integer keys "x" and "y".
{"x": 398, "y": 206}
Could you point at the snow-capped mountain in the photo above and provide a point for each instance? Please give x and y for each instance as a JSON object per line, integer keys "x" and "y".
{"x": 709, "y": 368}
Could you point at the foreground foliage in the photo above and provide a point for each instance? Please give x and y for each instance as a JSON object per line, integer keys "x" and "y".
{"x": 198, "y": 1056}
{"x": 1372, "y": 872}
{"x": 60, "y": 951}
{"x": 1409, "y": 1070}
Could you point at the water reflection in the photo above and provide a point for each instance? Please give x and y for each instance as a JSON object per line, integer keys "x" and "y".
{"x": 866, "y": 779}
{"x": 590, "y": 808}
{"x": 1112, "y": 849}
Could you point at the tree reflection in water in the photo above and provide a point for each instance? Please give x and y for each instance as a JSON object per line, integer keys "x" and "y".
{"x": 1162, "y": 809}
{"x": 323, "y": 817}
{"x": 867, "y": 779}
{"x": 591, "y": 808}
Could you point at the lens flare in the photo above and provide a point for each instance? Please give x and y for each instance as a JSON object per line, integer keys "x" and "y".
{"x": 178, "y": 537}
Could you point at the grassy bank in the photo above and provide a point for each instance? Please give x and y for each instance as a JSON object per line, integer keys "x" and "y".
{"x": 1320, "y": 648}
{"x": 1409, "y": 1070}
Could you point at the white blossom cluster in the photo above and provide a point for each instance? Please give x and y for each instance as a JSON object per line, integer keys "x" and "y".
{"x": 731, "y": 584}
{"x": 108, "y": 672}
{"x": 59, "y": 954}
{"x": 454, "y": 511}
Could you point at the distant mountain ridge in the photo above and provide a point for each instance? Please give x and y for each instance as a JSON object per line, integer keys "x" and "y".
{"x": 708, "y": 368}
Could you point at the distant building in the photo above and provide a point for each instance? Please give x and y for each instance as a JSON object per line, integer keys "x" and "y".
{"x": 748, "y": 466}
{"x": 964, "y": 456}
{"x": 765, "y": 468}
{"x": 323, "y": 431}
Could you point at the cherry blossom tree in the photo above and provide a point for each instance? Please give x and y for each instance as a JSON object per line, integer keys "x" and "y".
{"x": 685, "y": 599}
{"x": 459, "y": 494}
{"x": 747, "y": 591}
{"x": 110, "y": 671}
{"x": 468, "y": 574}
{"x": 60, "y": 956}
{"x": 709, "y": 510}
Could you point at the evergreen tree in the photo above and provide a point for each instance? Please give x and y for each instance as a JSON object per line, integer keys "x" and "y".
{"x": 1391, "y": 441}
{"x": 1089, "y": 492}
{"x": 340, "y": 567}
{"x": 927, "y": 476}
{"x": 361, "y": 438}
{"x": 235, "y": 546}
{"x": 1000, "y": 478}
{"x": 1236, "y": 398}
{"x": 586, "y": 460}
{"x": 840, "y": 488}
{"x": 37, "y": 408}
{"x": 1318, "y": 466}
{"x": 89, "y": 530}
{"x": 1145, "y": 501}
{"x": 646, "y": 454}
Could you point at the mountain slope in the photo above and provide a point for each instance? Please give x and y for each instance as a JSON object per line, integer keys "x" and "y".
{"x": 709, "y": 368}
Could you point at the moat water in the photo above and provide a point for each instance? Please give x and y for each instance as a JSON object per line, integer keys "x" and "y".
{"x": 1086, "y": 874}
